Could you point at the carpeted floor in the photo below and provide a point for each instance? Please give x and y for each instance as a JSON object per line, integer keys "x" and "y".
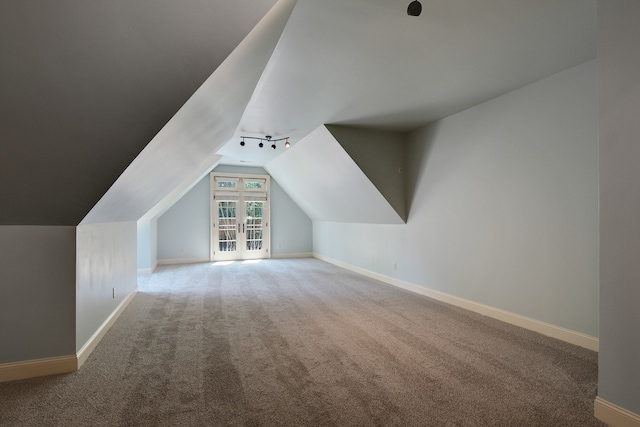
{"x": 304, "y": 343}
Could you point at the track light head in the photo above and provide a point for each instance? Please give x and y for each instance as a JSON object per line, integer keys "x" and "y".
{"x": 268, "y": 139}
{"x": 414, "y": 9}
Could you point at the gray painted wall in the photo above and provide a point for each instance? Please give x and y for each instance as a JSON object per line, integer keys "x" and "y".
{"x": 291, "y": 228}
{"x": 187, "y": 225}
{"x": 188, "y": 143}
{"x": 503, "y": 206}
{"x": 619, "y": 102}
{"x": 183, "y": 230}
{"x": 62, "y": 149}
{"x": 37, "y": 292}
{"x": 147, "y": 242}
{"x": 381, "y": 156}
{"x": 328, "y": 185}
{"x": 106, "y": 258}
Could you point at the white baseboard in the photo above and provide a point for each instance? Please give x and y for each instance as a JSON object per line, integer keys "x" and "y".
{"x": 90, "y": 345}
{"x": 63, "y": 364}
{"x": 38, "y": 368}
{"x": 614, "y": 415}
{"x": 182, "y": 261}
{"x": 295, "y": 255}
{"x": 142, "y": 271}
{"x": 547, "y": 329}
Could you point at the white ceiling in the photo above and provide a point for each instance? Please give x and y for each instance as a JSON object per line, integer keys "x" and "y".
{"x": 353, "y": 62}
{"x": 366, "y": 63}
{"x": 85, "y": 86}
{"x": 185, "y": 148}
{"x": 328, "y": 185}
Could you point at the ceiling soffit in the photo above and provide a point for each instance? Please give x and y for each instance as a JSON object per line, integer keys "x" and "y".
{"x": 327, "y": 184}
{"x": 86, "y": 85}
{"x": 186, "y": 148}
{"x": 380, "y": 155}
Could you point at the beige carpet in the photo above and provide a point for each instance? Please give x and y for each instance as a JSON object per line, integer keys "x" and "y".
{"x": 304, "y": 343}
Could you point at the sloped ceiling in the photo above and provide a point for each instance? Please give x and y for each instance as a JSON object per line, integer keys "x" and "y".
{"x": 366, "y": 63}
{"x": 328, "y": 185}
{"x": 85, "y": 85}
{"x": 380, "y": 155}
{"x": 186, "y": 147}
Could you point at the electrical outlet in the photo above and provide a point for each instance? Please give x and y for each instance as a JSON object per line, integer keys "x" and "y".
{"x": 184, "y": 250}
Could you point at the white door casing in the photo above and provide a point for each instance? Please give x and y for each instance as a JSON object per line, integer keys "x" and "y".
{"x": 239, "y": 216}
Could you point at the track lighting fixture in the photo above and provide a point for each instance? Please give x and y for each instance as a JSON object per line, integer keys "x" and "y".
{"x": 414, "y": 9}
{"x": 267, "y": 139}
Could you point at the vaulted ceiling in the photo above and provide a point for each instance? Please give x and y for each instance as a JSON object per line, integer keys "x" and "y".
{"x": 86, "y": 86}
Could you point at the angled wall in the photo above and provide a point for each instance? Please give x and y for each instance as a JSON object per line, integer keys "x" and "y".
{"x": 148, "y": 223}
{"x": 503, "y": 206}
{"x": 86, "y": 85}
{"x": 328, "y": 185}
{"x": 187, "y": 144}
{"x": 184, "y": 229}
{"x": 380, "y": 155}
{"x": 291, "y": 228}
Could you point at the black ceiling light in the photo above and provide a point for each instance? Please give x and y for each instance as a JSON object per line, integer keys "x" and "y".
{"x": 414, "y": 9}
{"x": 268, "y": 139}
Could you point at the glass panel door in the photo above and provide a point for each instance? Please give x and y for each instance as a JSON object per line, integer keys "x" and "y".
{"x": 254, "y": 225}
{"x": 240, "y": 219}
{"x": 227, "y": 224}
{"x": 227, "y": 230}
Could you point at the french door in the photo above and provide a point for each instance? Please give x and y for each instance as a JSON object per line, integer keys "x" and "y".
{"x": 240, "y": 217}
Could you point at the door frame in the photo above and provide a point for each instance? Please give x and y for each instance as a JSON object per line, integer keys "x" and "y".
{"x": 241, "y": 192}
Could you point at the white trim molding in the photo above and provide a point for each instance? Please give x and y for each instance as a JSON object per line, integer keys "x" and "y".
{"x": 90, "y": 345}
{"x": 547, "y": 329}
{"x": 64, "y": 364}
{"x": 182, "y": 261}
{"x": 294, "y": 255}
{"x": 38, "y": 368}
{"x": 146, "y": 271}
{"x": 614, "y": 415}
